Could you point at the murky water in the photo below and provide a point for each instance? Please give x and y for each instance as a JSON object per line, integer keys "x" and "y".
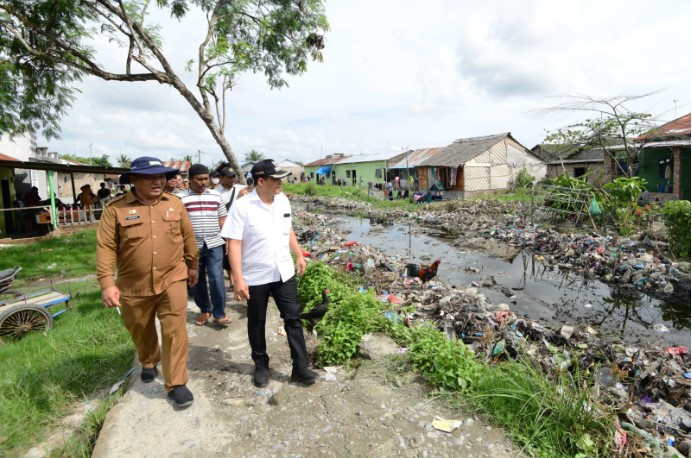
{"x": 550, "y": 296}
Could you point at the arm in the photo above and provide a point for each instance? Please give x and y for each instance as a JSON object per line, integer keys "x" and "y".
{"x": 234, "y": 249}
{"x": 190, "y": 250}
{"x": 106, "y": 256}
{"x": 295, "y": 248}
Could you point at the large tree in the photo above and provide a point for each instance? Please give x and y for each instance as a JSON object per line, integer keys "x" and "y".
{"x": 611, "y": 127}
{"x": 48, "y": 46}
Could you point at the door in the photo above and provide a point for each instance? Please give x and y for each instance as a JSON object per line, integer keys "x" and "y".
{"x": 7, "y": 203}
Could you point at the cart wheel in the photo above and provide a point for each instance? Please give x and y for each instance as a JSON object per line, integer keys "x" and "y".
{"x": 18, "y": 321}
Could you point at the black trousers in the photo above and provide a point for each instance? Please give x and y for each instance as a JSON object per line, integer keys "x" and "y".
{"x": 285, "y": 295}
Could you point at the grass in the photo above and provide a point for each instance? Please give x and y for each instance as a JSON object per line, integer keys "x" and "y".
{"x": 67, "y": 256}
{"x": 45, "y": 376}
{"x": 520, "y": 195}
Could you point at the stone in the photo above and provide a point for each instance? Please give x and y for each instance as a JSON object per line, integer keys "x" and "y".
{"x": 377, "y": 345}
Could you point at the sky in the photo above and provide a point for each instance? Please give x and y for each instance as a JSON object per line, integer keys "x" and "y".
{"x": 404, "y": 74}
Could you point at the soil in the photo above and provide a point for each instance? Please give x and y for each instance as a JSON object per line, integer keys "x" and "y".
{"x": 379, "y": 408}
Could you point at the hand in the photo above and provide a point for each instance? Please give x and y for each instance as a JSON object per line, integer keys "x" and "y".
{"x": 242, "y": 292}
{"x": 192, "y": 277}
{"x": 111, "y": 296}
{"x": 301, "y": 265}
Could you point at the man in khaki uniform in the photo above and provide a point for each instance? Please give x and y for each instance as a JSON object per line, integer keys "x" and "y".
{"x": 148, "y": 235}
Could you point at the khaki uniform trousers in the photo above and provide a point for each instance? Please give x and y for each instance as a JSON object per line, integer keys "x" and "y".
{"x": 170, "y": 306}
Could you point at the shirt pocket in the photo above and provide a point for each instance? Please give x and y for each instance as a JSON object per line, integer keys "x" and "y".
{"x": 132, "y": 227}
{"x": 173, "y": 223}
{"x": 259, "y": 231}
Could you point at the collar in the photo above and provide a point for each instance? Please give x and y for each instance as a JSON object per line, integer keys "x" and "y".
{"x": 131, "y": 198}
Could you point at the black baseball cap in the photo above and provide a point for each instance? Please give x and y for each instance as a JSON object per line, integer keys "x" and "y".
{"x": 267, "y": 168}
{"x": 228, "y": 173}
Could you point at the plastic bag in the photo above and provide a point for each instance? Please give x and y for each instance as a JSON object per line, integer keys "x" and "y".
{"x": 595, "y": 209}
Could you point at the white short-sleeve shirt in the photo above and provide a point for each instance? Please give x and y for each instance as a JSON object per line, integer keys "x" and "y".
{"x": 264, "y": 231}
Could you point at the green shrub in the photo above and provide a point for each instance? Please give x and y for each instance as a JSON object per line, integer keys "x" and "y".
{"x": 443, "y": 362}
{"x": 676, "y": 216}
{"x": 524, "y": 179}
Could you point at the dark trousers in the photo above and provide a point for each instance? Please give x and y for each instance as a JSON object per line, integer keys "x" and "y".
{"x": 285, "y": 295}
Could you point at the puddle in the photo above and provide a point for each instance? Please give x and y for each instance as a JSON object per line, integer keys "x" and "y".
{"x": 549, "y": 296}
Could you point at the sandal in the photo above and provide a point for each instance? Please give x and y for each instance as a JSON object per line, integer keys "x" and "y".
{"x": 224, "y": 320}
{"x": 202, "y": 319}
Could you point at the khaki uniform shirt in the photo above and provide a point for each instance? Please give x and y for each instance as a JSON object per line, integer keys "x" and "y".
{"x": 152, "y": 245}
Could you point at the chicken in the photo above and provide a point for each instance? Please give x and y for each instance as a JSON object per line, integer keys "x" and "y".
{"x": 423, "y": 272}
{"x": 318, "y": 311}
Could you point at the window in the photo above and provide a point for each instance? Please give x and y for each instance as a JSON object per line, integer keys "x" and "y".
{"x": 348, "y": 174}
{"x": 378, "y": 173}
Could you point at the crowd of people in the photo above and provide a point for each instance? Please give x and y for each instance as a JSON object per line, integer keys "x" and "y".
{"x": 166, "y": 239}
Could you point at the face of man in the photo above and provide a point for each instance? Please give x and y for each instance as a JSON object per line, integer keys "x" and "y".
{"x": 199, "y": 183}
{"x": 179, "y": 177}
{"x": 228, "y": 182}
{"x": 271, "y": 185}
{"x": 148, "y": 187}
{"x": 171, "y": 184}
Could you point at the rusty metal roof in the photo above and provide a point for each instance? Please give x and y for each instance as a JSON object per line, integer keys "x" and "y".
{"x": 326, "y": 161}
{"x": 183, "y": 166}
{"x": 5, "y": 157}
{"x": 675, "y": 129}
{"x": 415, "y": 157}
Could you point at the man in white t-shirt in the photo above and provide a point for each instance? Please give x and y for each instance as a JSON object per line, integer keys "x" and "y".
{"x": 229, "y": 188}
{"x": 260, "y": 239}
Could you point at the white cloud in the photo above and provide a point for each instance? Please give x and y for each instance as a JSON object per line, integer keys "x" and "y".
{"x": 408, "y": 73}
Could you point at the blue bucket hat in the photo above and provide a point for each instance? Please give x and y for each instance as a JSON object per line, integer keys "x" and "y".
{"x": 146, "y": 166}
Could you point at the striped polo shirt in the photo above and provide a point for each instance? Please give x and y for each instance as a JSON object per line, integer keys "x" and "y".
{"x": 205, "y": 210}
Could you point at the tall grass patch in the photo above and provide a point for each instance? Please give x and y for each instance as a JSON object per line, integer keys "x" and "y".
{"x": 43, "y": 376}
{"x": 66, "y": 256}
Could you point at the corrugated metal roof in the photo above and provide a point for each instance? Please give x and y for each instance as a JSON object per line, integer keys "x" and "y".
{"x": 415, "y": 158}
{"x": 326, "y": 161}
{"x": 680, "y": 127}
{"x": 5, "y": 157}
{"x": 463, "y": 150}
{"x": 183, "y": 166}
{"x": 360, "y": 158}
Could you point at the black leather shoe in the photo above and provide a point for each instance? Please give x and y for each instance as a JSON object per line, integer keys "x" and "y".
{"x": 181, "y": 396}
{"x": 261, "y": 377}
{"x": 304, "y": 375}
{"x": 148, "y": 374}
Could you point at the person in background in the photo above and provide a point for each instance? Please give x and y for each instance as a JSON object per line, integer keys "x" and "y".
{"x": 122, "y": 189}
{"x": 215, "y": 178}
{"x": 87, "y": 199}
{"x": 103, "y": 194}
{"x": 207, "y": 211}
{"x": 153, "y": 264}
{"x": 230, "y": 191}
{"x": 171, "y": 184}
{"x": 260, "y": 240}
{"x": 179, "y": 177}
{"x": 247, "y": 189}
{"x": 33, "y": 198}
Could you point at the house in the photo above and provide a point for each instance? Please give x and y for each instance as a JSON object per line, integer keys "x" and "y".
{"x": 296, "y": 170}
{"x": 406, "y": 168}
{"x": 576, "y": 162}
{"x": 664, "y": 160}
{"x": 478, "y": 165}
{"x": 365, "y": 168}
{"x": 320, "y": 168}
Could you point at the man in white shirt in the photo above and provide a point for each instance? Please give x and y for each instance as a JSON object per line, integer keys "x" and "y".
{"x": 260, "y": 239}
{"x": 229, "y": 188}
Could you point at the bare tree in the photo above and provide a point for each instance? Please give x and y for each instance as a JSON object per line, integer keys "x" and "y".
{"x": 46, "y": 47}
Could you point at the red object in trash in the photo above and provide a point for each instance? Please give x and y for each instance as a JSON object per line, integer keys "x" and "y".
{"x": 351, "y": 243}
{"x": 306, "y": 253}
{"x": 349, "y": 266}
{"x": 677, "y": 350}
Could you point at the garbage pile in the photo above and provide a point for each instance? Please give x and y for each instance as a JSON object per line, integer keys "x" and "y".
{"x": 648, "y": 387}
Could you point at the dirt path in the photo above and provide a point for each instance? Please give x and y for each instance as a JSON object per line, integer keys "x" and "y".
{"x": 378, "y": 409}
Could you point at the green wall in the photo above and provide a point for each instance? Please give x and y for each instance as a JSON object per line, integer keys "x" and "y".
{"x": 363, "y": 169}
{"x": 649, "y": 169}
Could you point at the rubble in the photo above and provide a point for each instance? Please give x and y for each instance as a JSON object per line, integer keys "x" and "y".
{"x": 648, "y": 387}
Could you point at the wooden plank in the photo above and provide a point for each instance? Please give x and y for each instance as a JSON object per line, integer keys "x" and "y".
{"x": 49, "y": 298}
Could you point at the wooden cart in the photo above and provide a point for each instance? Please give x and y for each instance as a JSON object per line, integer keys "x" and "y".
{"x": 28, "y": 312}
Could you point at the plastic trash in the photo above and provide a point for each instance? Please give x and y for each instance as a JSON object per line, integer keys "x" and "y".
{"x": 677, "y": 350}
{"x": 661, "y": 328}
{"x": 351, "y": 243}
{"x": 446, "y": 425}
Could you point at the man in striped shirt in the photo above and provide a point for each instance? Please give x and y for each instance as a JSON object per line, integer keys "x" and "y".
{"x": 207, "y": 211}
